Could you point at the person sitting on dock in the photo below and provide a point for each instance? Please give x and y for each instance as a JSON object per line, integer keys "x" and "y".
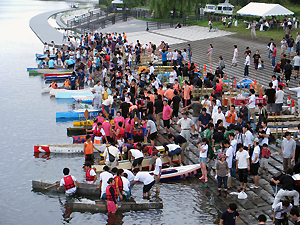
{"x": 90, "y": 174}
{"x": 104, "y": 177}
{"x": 146, "y": 178}
{"x": 68, "y": 181}
{"x": 88, "y": 148}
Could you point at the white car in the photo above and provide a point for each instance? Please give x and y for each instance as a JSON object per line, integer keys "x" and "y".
{"x": 210, "y": 8}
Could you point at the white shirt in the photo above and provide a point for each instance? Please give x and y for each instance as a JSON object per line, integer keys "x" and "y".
{"x": 214, "y": 109}
{"x": 279, "y": 96}
{"x": 151, "y": 126}
{"x": 71, "y": 190}
{"x": 265, "y": 140}
{"x": 217, "y": 116}
{"x": 144, "y": 177}
{"x": 151, "y": 69}
{"x": 275, "y": 84}
{"x": 92, "y": 173}
{"x": 235, "y": 53}
{"x": 229, "y": 154}
{"x": 172, "y": 147}
{"x": 109, "y": 101}
{"x": 130, "y": 175}
{"x": 247, "y": 60}
{"x": 158, "y": 166}
{"x": 248, "y": 138}
{"x": 98, "y": 88}
{"x": 136, "y": 153}
{"x": 233, "y": 143}
{"x": 242, "y": 159}
{"x": 204, "y": 154}
{"x": 297, "y": 89}
{"x": 104, "y": 177}
{"x": 297, "y": 60}
{"x": 174, "y": 56}
{"x": 97, "y": 98}
{"x": 206, "y": 104}
{"x": 126, "y": 184}
{"x": 112, "y": 150}
{"x": 255, "y": 151}
{"x": 174, "y": 76}
{"x": 185, "y": 124}
{"x": 252, "y": 100}
{"x": 283, "y": 44}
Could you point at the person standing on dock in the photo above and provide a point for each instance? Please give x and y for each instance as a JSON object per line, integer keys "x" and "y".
{"x": 190, "y": 53}
{"x": 157, "y": 170}
{"x": 111, "y": 196}
{"x": 297, "y": 89}
{"x": 89, "y": 148}
{"x": 68, "y": 181}
{"x": 90, "y": 174}
{"x": 242, "y": 166}
{"x": 254, "y": 166}
{"x": 235, "y": 55}
{"x": 230, "y": 216}
{"x": 247, "y": 64}
{"x": 104, "y": 177}
{"x": 185, "y": 124}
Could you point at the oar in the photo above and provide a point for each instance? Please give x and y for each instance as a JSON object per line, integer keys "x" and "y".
{"x": 86, "y": 116}
{"x": 53, "y": 185}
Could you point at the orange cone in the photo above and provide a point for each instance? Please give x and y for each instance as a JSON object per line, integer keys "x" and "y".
{"x": 225, "y": 76}
{"x": 293, "y": 107}
{"x": 289, "y": 100}
{"x": 234, "y": 83}
{"x": 189, "y": 64}
{"x": 210, "y": 69}
{"x": 204, "y": 68}
{"x": 254, "y": 84}
{"x": 196, "y": 67}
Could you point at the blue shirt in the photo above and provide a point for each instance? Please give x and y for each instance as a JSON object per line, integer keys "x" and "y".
{"x": 81, "y": 76}
{"x": 229, "y": 218}
{"x": 51, "y": 63}
{"x": 204, "y": 119}
{"x": 164, "y": 56}
{"x": 72, "y": 79}
{"x": 97, "y": 62}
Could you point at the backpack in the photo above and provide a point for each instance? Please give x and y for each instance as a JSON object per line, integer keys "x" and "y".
{"x": 111, "y": 158}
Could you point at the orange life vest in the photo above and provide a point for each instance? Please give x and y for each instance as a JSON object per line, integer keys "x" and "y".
{"x": 53, "y": 85}
{"x": 119, "y": 183}
{"x": 69, "y": 182}
{"x": 67, "y": 84}
{"x": 88, "y": 176}
{"x": 88, "y": 149}
{"x": 121, "y": 134}
{"x": 231, "y": 119}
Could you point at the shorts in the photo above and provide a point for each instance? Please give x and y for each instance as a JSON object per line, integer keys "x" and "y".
{"x": 81, "y": 84}
{"x": 164, "y": 63}
{"x": 195, "y": 120}
{"x": 147, "y": 187}
{"x": 137, "y": 161}
{"x": 271, "y": 107}
{"x": 255, "y": 66}
{"x": 278, "y": 107}
{"x": 129, "y": 136}
{"x": 175, "y": 113}
{"x": 97, "y": 68}
{"x": 283, "y": 49}
{"x": 152, "y": 161}
{"x": 153, "y": 136}
{"x": 290, "y": 49}
{"x": 167, "y": 123}
{"x": 145, "y": 131}
{"x": 254, "y": 168}
{"x": 140, "y": 115}
{"x": 156, "y": 180}
{"x": 296, "y": 67}
{"x": 111, "y": 206}
{"x": 89, "y": 157}
{"x": 177, "y": 151}
{"x": 264, "y": 163}
{"x": 203, "y": 160}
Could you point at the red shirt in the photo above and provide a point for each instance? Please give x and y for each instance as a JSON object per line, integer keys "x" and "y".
{"x": 265, "y": 153}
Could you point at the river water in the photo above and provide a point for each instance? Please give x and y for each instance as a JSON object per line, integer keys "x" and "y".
{"x": 28, "y": 118}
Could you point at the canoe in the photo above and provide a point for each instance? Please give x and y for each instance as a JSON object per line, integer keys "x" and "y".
{"x": 39, "y": 71}
{"x": 63, "y": 149}
{"x": 58, "y": 73}
{"x": 76, "y": 114}
{"x": 84, "y": 99}
{"x": 84, "y": 190}
{"x": 125, "y": 164}
{"x": 100, "y": 206}
{"x": 180, "y": 172}
{"x": 42, "y": 56}
{"x": 83, "y": 123}
{"x": 70, "y": 93}
{"x": 59, "y": 77}
{"x": 72, "y": 131}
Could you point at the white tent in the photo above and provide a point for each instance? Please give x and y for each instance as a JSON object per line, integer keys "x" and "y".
{"x": 117, "y": 2}
{"x": 263, "y": 9}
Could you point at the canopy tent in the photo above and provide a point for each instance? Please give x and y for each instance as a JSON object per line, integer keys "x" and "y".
{"x": 263, "y": 10}
{"x": 117, "y": 2}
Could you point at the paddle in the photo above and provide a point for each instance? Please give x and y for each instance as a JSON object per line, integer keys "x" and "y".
{"x": 53, "y": 185}
{"x": 86, "y": 116}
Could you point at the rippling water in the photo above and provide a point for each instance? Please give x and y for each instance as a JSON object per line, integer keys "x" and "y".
{"x": 28, "y": 118}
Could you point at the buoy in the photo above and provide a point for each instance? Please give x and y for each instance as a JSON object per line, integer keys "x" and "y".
{"x": 289, "y": 100}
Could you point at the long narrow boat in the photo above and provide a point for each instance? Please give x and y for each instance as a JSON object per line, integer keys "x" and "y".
{"x": 58, "y": 77}
{"x": 39, "y": 71}
{"x": 76, "y": 114}
{"x": 125, "y": 164}
{"x": 83, "y": 123}
{"x": 65, "y": 149}
{"x": 84, "y": 190}
{"x": 59, "y": 73}
{"x": 101, "y": 206}
{"x": 72, "y": 131}
{"x": 73, "y": 93}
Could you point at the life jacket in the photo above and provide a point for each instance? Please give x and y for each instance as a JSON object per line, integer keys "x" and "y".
{"x": 231, "y": 119}
{"x": 108, "y": 194}
{"x": 118, "y": 180}
{"x": 69, "y": 183}
{"x": 97, "y": 132}
{"x": 121, "y": 134}
{"x": 218, "y": 88}
{"x": 53, "y": 85}
{"x": 88, "y": 176}
{"x": 67, "y": 84}
{"x": 88, "y": 149}
{"x": 150, "y": 149}
{"x": 140, "y": 102}
{"x": 135, "y": 145}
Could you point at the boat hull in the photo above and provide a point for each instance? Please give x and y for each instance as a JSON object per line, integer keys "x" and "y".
{"x": 64, "y": 149}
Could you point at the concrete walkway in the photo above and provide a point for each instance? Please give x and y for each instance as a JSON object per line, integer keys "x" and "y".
{"x": 43, "y": 30}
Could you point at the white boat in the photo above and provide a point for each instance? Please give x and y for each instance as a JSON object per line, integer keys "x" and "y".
{"x": 46, "y": 89}
{"x": 67, "y": 148}
{"x": 54, "y": 91}
{"x": 72, "y": 93}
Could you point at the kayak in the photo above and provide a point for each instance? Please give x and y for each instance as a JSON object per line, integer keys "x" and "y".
{"x": 84, "y": 99}
{"x": 59, "y": 77}
{"x": 72, "y": 131}
{"x": 39, "y": 71}
{"x": 77, "y": 114}
{"x": 57, "y": 74}
{"x": 67, "y": 148}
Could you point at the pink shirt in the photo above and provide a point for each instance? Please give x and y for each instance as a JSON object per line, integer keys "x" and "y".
{"x": 128, "y": 125}
{"x": 274, "y": 52}
{"x": 100, "y": 119}
{"x": 106, "y": 127}
{"x": 117, "y": 120}
{"x": 166, "y": 112}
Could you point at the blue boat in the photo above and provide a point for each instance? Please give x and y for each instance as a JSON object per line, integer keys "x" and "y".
{"x": 77, "y": 114}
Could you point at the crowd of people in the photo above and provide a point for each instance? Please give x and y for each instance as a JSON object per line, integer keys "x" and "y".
{"x": 226, "y": 140}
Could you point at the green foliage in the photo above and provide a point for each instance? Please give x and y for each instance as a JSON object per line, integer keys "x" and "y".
{"x": 134, "y": 3}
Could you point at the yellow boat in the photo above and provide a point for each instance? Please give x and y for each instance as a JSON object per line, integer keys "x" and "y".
{"x": 83, "y": 123}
